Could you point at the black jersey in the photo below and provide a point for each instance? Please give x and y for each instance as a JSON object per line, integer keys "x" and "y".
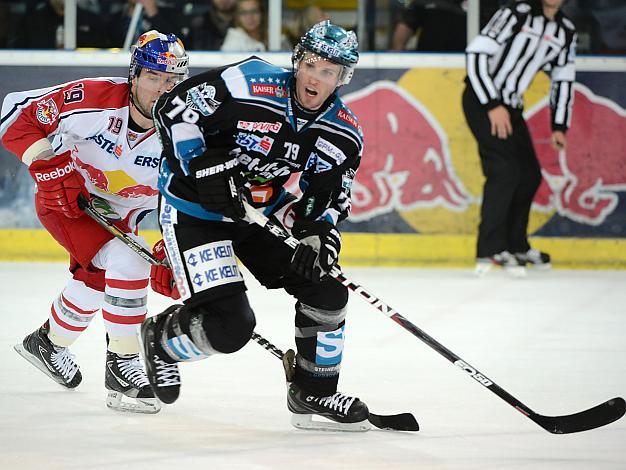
{"x": 248, "y": 107}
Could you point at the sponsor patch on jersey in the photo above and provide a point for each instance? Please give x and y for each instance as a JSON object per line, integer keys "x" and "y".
{"x": 330, "y": 149}
{"x": 263, "y": 127}
{"x": 255, "y": 143}
{"x": 318, "y": 164}
{"x": 211, "y": 265}
{"x": 202, "y": 98}
{"x": 47, "y": 111}
{"x": 347, "y": 117}
{"x": 347, "y": 179}
{"x": 329, "y": 347}
{"x": 265, "y": 89}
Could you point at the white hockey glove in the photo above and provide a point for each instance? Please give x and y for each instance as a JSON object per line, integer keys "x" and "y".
{"x": 318, "y": 252}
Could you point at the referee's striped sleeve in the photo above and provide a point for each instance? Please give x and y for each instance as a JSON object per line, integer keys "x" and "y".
{"x": 486, "y": 44}
{"x": 561, "y": 92}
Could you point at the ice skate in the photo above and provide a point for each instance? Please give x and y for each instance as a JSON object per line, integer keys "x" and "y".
{"x": 125, "y": 377}
{"x": 511, "y": 264}
{"x": 162, "y": 371}
{"x": 54, "y": 361}
{"x": 535, "y": 258}
{"x": 337, "y": 412}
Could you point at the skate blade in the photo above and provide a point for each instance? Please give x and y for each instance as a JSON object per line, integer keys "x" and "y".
{"x": 140, "y": 405}
{"x": 306, "y": 421}
{"x": 482, "y": 269}
{"x": 516, "y": 271}
{"x": 19, "y": 348}
{"x": 541, "y": 267}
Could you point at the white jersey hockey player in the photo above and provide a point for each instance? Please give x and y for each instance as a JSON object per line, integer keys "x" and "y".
{"x": 95, "y": 137}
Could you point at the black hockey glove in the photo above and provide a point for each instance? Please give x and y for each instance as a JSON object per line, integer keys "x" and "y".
{"x": 220, "y": 183}
{"x": 318, "y": 252}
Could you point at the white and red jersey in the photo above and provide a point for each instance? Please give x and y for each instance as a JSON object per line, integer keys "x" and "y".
{"x": 88, "y": 118}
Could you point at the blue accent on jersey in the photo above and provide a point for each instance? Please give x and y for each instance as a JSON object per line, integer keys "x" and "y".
{"x": 187, "y": 150}
{"x": 258, "y": 74}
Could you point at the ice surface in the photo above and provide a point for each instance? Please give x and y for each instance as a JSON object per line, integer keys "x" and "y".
{"x": 554, "y": 340}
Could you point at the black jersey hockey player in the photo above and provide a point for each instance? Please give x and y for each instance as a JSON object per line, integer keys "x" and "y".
{"x": 258, "y": 125}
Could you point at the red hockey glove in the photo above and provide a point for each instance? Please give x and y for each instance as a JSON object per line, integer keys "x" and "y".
{"x": 59, "y": 184}
{"x": 161, "y": 276}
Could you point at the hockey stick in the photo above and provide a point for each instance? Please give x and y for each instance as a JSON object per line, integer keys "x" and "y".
{"x": 599, "y": 415}
{"x": 96, "y": 208}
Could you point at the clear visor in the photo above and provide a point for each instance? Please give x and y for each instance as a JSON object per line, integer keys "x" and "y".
{"x": 320, "y": 69}
{"x": 151, "y": 80}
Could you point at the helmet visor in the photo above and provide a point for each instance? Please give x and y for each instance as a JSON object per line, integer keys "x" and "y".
{"x": 152, "y": 80}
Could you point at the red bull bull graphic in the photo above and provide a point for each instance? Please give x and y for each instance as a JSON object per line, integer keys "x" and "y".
{"x": 406, "y": 161}
{"x": 115, "y": 182}
{"x": 581, "y": 182}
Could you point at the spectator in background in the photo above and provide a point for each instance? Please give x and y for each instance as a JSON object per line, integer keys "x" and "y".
{"x": 250, "y": 30}
{"x": 155, "y": 15}
{"x": 42, "y": 27}
{"x": 209, "y": 30}
{"x": 306, "y": 18}
{"x": 441, "y": 24}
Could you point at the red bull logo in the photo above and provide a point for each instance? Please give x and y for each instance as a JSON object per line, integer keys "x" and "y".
{"x": 47, "y": 111}
{"x": 406, "y": 162}
{"x": 115, "y": 182}
{"x": 582, "y": 181}
{"x": 166, "y": 58}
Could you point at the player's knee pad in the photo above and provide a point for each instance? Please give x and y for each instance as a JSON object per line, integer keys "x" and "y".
{"x": 222, "y": 325}
{"x": 327, "y": 295}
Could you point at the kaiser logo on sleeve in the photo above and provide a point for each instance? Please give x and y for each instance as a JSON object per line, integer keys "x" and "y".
{"x": 211, "y": 265}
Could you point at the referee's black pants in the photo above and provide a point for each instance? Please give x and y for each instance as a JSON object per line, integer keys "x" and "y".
{"x": 512, "y": 175}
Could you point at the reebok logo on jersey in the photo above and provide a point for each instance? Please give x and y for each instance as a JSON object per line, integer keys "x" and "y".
{"x": 56, "y": 173}
{"x": 214, "y": 170}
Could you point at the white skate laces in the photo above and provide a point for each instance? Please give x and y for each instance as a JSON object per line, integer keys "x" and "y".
{"x": 338, "y": 402}
{"x": 131, "y": 369}
{"x": 167, "y": 373}
{"x": 63, "y": 361}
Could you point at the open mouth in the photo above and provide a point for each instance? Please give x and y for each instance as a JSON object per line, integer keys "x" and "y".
{"x": 310, "y": 91}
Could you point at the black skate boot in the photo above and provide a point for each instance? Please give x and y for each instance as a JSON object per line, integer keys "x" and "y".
{"x": 535, "y": 258}
{"x": 508, "y": 262}
{"x": 161, "y": 369}
{"x": 54, "y": 361}
{"x": 343, "y": 412}
{"x": 125, "y": 376}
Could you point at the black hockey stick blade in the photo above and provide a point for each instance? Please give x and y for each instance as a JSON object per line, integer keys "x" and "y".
{"x": 400, "y": 422}
{"x": 595, "y": 417}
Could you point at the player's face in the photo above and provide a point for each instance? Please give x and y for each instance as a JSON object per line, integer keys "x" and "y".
{"x": 316, "y": 80}
{"x": 150, "y": 85}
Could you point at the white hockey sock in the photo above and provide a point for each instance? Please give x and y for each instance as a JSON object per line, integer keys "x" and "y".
{"x": 72, "y": 311}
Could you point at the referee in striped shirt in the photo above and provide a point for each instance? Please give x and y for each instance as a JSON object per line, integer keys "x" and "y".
{"x": 520, "y": 39}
